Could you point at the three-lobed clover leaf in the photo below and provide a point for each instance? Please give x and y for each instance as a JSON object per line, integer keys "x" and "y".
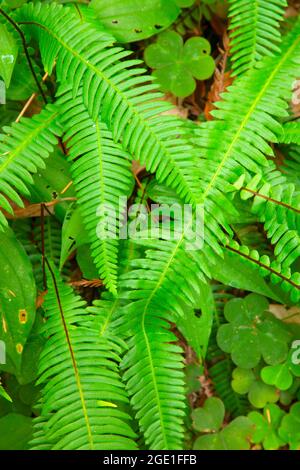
{"x": 259, "y": 394}
{"x": 289, "y": 430}
{"x": 266, "y": 427}
{"x": 252, "y": 332}
{"x": 281, "y": 375}
{"x": 209, "y": 418}
{"x": 177, "y": 65}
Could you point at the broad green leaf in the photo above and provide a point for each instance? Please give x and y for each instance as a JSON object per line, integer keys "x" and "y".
{"x": 235, "y": 436}
{"x": 8, "y": 54}
{"x": 86, "y": 263}
{"x": 196, "y": 330}
{"x": 17, "y": 297}
{"x": 252, "y": 333}
{"x": 15, "y": 432}
{"x": 133, "y": 20}
{"x": 22, "y": 83}
{"x": 54, "y": 183}
{"x": 247, "y": 381}
{"x": 232, "y": 271}
{"x": 210, "y": 417}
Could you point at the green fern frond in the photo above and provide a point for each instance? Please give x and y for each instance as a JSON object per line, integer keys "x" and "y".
{"x": 82, "y": 395}
{"x": 277, "y": 205}
{"x": 125, "y": 98}
{"x": 254, "y": 31}
{"x": 103, "y": 179}
{"x": 153, "y": 363}
{"x": 288, "y": 281}
{"x": 155, "y": 381}
{"x": 23, "y": 149}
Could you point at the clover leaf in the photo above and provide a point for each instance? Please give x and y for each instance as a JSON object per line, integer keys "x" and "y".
{"x": 235, "y": 436}
{"x": 177, "y": 65}
{"x": 266, "y": 427}
{"x": 289, "y": 430}
{"x": 252, "y": 333}
{"x": 210, "y": 417}
{"x": 278, "y": 375}
{"x": 259, "y": 394}
{"x": 287, "y": 396}
{"x": 281, "y": 375}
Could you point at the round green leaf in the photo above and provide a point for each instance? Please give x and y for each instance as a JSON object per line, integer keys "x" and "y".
{"x": 278, "y": 375}
{"x": 133, "y": 20}
{"x": 242, "y": 380}
{"x": 197, "y": 59}
{"x": 15, "y": 432}
{"x": 17, "y": 297}
{"x": 165, "y": 51}
{"x": 210, "y": 417}
{"x": 260, "y": 394}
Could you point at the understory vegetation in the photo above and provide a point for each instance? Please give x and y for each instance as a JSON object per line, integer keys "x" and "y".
{"x": 149, "y": 225}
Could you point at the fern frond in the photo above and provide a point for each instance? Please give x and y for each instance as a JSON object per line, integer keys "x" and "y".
{"x": 277, "y": 205}
{"x": 254, "y": 31}
{"x": 23, "y": 149}
{"x": 101, "y": 172}
{"x": 288, "y": 281}
{"x": 82, "y": 395}
{"x": 153, "y": 364}
{"x": 122, "y": 94}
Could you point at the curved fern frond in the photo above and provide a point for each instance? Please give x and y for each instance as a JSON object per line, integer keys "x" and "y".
{"x": 288, "y": 281}
{"x": 254, "y": 31}
{"x": 125, "y": 98}
{"x": 101, "y": 171}
{"x": 82, "y": 395}
{"x": 155, "y": 381}
{"x": 153, "y": 363}
{"x": 23, "y": 149}
{"x": 277, "y": 205}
